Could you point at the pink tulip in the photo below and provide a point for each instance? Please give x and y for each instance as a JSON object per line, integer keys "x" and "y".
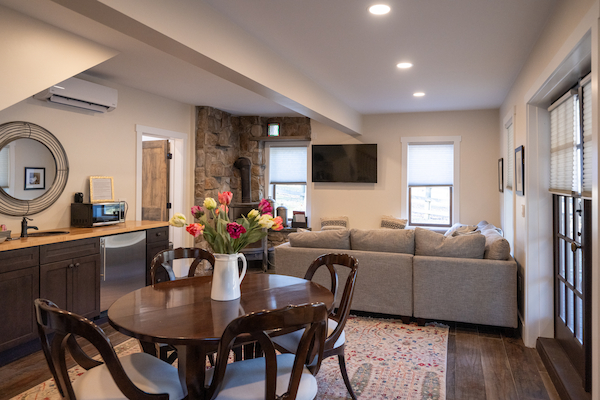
{"x": 235, "y": 230}
{"x": 197, "y": 211}
{"x": 265, "y": 207}
{"x": 225, "y": 198}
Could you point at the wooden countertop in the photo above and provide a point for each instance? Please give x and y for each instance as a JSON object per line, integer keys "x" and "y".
{"x": 80, "y": 233}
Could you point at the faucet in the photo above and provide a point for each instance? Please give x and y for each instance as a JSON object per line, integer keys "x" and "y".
{"x": 24, "y": 227}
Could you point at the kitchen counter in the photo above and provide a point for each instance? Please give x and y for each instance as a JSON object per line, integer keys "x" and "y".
{"x": 79, "y": 233}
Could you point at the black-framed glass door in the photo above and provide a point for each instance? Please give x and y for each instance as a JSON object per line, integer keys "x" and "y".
{"x": 572, "y": 276}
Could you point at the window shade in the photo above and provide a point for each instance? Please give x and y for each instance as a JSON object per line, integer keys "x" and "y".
{"x": 563, "y": 128}
{"x": 587, "y": 139}
{"x": 510, "y": 162}
{"x": 430, "y": 164}
{"x": 4, "y": 167}
{"x": 287, "y": 164}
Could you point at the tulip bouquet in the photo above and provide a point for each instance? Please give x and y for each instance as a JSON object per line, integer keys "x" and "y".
{"x": 225, "y": 236}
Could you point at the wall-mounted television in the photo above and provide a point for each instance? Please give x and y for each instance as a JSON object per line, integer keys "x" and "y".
{"x": 344, "y": 163}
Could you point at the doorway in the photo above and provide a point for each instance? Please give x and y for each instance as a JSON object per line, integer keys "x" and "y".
{"x": 177, "y": 174}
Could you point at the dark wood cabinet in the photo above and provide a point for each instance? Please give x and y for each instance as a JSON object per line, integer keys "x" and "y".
{"x": 157, "y": 240}
{"x": 70, "y": 275}
{"x": 19, "y": 285}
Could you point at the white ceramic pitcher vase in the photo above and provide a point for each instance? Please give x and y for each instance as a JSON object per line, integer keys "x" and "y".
{"x": 227, "y": 278}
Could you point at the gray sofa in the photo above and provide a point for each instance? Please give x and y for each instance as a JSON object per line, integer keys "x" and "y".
{"x": 466, "y": 275}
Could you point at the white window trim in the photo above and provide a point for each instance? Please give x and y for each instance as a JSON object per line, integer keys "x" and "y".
{"x": 508, "y": 121}
{"x": 291, "y": 143}
{"x": 456, "y": 184}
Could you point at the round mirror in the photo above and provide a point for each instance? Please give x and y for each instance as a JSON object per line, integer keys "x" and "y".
{"x": 34, "y": 168}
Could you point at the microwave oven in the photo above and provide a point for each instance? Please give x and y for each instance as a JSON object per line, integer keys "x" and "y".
{"x": 88, "y": 215}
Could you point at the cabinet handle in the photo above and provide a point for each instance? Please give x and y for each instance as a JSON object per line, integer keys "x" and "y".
{"x": 76, "y": 265}
{"x": 71, "y": 265}
{"x": 158, "y": 233}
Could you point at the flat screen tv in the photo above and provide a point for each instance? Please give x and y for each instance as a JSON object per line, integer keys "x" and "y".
{"x": 344, "y": 163}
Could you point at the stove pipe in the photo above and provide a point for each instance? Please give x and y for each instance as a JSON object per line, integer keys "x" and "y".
{"x": 244, "y": 165}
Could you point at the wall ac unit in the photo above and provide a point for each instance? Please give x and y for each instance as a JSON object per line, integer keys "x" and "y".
{"x": 81, "y": 94}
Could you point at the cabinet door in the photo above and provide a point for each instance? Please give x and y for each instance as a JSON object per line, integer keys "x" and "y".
{"x": 85, "y": 287}
{"x": 19, "y": 289}
{"x": 55, "y": 278}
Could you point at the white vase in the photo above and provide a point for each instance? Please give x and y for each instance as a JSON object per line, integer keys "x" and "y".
{"x": 227, "y": 278}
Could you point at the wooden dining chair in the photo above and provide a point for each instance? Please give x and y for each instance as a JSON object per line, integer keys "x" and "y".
{"x": 273, "y": 376}
{"x": 336, "y": 338}
{"x": 137, "y": 376}
{"x": 162, "y": 263}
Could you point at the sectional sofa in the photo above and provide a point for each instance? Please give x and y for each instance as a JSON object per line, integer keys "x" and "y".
{"x": 465, "y": 275}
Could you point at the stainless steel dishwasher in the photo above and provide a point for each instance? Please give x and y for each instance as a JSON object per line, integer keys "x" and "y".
{"x": 123, "y": 259}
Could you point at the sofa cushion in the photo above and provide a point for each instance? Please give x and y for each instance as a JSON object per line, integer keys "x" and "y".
{"x": 496, "y": 247}
{"x": 429, "y": 243}
{"x": 383, "y": 240}
{"x": 335, "y": 239}
{"x": 390, "y": 222}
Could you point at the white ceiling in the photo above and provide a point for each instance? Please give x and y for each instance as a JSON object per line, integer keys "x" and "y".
{"x": 466, "y": 53}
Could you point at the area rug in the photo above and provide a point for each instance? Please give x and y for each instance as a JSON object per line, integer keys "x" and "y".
{"x": 385, "y": 358}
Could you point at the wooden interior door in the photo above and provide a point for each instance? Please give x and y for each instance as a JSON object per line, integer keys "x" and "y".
{"x": 155, "y": 180}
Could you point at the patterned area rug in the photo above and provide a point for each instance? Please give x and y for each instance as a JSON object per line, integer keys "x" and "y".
{"x": 385, "y": 358}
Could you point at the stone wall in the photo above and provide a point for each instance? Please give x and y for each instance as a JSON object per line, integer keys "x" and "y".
{"x": 222, "y": 138}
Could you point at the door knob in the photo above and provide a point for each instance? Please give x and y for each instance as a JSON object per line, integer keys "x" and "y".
{"x": 574, "y": 247}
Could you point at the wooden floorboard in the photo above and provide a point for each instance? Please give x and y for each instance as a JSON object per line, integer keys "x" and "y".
{"x": 469, "y": 379}
{"x": 482, "y": 364}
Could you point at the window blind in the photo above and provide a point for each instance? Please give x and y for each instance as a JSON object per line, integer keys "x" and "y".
{"x": 430, "y": 164}
{"x": 563, "y": 130}
{"x": 287, "y": 165}
{"x": 4, "y": 167}
{"x": 510, "y": 162}
{"x": 587, "y": 139}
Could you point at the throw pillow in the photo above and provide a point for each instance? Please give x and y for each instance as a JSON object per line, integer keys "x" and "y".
{"x": 429, "y": 243}
{"x": 332, "y": 227}
{"x": 334, "y": 221}
{"x": 496, "y": 247}
{"x": 389, "y": 222}
{"x": 459, "y": 229}
{"x": 336, "y": 239}
{"x": 390, "y": 241}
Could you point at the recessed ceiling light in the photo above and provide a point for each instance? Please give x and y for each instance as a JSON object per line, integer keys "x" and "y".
{"x": 379, "y": 9}
{"x": 404, "y": 65}
{"x": 418, "y": 94}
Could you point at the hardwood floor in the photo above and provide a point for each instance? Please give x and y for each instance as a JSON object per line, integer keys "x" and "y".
{"x": 483, "y": 364}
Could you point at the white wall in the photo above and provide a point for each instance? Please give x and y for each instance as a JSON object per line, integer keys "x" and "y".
{"x": 364, "y": 203}
{"x": 101, "y": 144}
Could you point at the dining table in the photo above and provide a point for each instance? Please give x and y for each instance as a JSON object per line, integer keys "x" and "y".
{"x": 182, "y": 313}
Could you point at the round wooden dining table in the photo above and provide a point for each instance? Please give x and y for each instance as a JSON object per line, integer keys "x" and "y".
{"x": 181, "y": 313}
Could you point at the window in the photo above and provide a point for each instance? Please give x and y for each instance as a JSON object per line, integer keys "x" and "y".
{"x": 287, "y": 171}
{"x": 570, "y": 142}
{"x": 430, "y": 176}
{"x": 4, "y": 167}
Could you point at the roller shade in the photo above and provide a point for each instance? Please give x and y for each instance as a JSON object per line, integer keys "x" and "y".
{"x": 287, "y": 165}
{"x": 430, "y": 164}
{"x": 587, "y": 139}
{"x": 564, "y": 129}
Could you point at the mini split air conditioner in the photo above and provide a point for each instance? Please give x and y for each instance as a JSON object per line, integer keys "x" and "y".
{"x": 81, "y": 94}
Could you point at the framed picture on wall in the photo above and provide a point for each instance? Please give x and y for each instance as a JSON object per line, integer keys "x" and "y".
{"x": 501, "y": 175}
{"x": 520, "y": 171}
{"x": 101, "y": 189}
{"x": 35, "y": 178}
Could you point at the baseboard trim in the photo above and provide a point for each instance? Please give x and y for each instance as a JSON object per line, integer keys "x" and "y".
{"x": 565, "y": 378}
